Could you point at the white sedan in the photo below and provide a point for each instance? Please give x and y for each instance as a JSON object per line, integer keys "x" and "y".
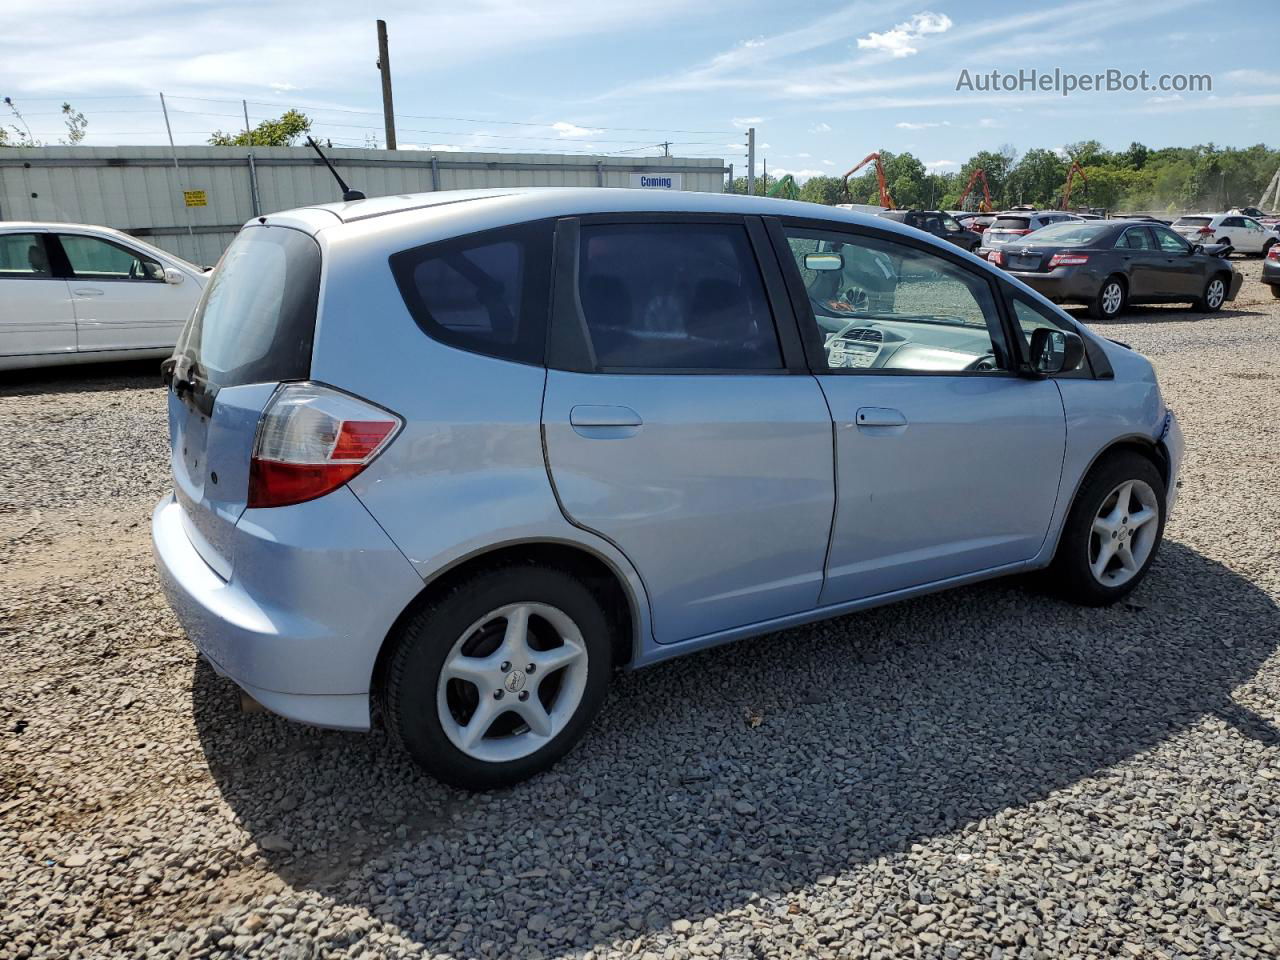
{"x": 71, "y": 293}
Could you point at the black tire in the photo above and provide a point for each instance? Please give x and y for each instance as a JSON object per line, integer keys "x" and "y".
{"x": 1266, "y": 248}
{"x": 1209, "y": 302}
{"x": 1104, "y": 305}
{"x": 1070, "y": 575}
{"x": 1275, "y": 290}
{"x": 409, "y": 690}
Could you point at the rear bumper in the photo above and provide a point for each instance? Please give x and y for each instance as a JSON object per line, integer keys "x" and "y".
{"x": 314, "y": 590}
{"x": 1061, "y": 285}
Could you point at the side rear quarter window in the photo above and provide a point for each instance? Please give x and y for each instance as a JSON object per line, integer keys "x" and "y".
{"x": 487, "y": 292}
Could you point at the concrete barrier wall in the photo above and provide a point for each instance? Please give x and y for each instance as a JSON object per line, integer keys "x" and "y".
{"x": 138, "y": 189}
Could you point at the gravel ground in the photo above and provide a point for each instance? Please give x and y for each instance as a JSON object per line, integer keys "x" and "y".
{"x": 986, "y": 773}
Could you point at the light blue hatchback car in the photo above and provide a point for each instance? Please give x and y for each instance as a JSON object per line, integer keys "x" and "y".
{"x": 445, "y": 462}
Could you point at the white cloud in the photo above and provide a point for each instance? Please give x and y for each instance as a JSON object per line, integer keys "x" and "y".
{"x": 800, "y": 175}
{"x": 937, "y": 165}
{"x": 821, "y": 128}
{"x": 754, "y": 42}
{"x": 283, "y": 87}
{"x": 1061, "y": 152}
{"x": 802, "y": 156}
{"x": 828, "y": 163}
{"x": 988, "y": 122}
{"x": 566, "y": 129}
{"x": 1253, "y": 76}
{"x": 445, "y": 148}
{"x": 743, "y": 122}
{"x": 906, "y": 125}
{"x": 1172, "y": 98}
{"x": 899, "y": 42}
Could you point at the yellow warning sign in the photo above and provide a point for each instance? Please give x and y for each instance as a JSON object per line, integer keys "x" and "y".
{"x": 195, "y": 198}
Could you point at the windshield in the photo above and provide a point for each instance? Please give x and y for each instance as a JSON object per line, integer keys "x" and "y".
{"x": 1071, "y": 234}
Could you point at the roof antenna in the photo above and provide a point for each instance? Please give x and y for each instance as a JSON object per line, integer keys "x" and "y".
{"x": 347, "y": 192}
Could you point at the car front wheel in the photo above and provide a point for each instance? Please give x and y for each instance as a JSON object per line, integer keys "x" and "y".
{"x": 1112, "y": 531}
{"x": 1110, "y": 299}
{"x": 497, "y": 680}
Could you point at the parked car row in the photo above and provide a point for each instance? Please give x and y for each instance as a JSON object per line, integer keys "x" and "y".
{"x": 71, "y": 293}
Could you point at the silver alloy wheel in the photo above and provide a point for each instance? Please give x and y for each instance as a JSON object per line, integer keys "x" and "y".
{"x": 1214, "y": 295}
{"x": 1112, "y": 295}
{"x": 1124, "y": 533}
{"x": 512, "y": 682}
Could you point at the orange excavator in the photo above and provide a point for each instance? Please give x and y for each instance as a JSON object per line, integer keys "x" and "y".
{"x": 886, "y": 201}
{"x": 985, "y": 206}
{"x": 1071, "y": 176}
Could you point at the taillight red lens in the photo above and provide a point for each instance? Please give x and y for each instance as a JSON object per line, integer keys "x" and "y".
{"x": 1067, "y": 260}
{"x": 996, "y": 257}
{"x": 1274, "y": 252}
{"x": 1205, "y": 231}
{"x": 312, "y": 440}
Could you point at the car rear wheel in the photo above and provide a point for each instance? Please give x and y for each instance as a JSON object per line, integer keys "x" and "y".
{"x": 1112, "y": 531}
{"x": 1215, "y": 293}
{"x": 499, "y": 678}
{"x": 1275, "y": 291}
{"x": 1110, "y": 299}
{"x": 1266, "y": 248}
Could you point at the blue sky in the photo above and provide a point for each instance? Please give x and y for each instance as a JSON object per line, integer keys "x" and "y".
{"x": 823, "y": 87}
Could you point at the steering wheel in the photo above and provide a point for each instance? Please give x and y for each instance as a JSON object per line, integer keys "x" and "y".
{"x": 984, "y": 364}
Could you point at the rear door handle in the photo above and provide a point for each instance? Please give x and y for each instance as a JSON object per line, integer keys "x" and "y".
{"x": 604, "y": 422}
{"x": 87, "y": 292}
{"x": 880, "y": 417}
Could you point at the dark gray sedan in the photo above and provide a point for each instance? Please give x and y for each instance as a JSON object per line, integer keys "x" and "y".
{"x": 1107, "y": 265}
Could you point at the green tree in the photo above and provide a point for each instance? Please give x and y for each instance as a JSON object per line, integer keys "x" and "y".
{"x": 1037, "y": 179}
{"x": 283, "y": 131}
{"x": 821, "y": 190}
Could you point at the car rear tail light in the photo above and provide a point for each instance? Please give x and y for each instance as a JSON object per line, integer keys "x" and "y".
{"x": 1018, "y": 233}
{"x": 1274, "y": 252}
{"x": 996, "y": 257}
{"x": 1067, "y": 260}
{"x": 1205, "y": 231}
{"x": 312, "y": 439}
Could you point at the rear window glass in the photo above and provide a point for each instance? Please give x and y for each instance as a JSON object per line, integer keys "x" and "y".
{"x": 487, "y": 292}
{"x": 1010, "y": 223}
{"x": 1193, "y": 221}
{"x": 257, "y": 317}
{"x": 1072, "y": 233}
{"x": 685, "y": 296}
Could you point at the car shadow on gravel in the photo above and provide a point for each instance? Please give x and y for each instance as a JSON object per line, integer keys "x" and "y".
{"x": 754, "y": 769}
{"x": 81, "y": 378}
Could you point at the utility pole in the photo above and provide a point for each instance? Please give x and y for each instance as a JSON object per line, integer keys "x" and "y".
{"x": 751, "y": 161}
{"x": 666, "y": 148}
{"x": 764, "y": 185}
{"x": 384, "y": 67}
{"x": 248, "y": 131}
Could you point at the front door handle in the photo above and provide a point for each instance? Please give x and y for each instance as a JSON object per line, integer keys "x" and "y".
{"x": 87, "y": 292}
{"x": 598, "y": 422}
{"x": 880, "y": 417}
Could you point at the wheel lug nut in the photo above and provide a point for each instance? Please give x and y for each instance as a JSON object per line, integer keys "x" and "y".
{"x": 497, "y": 694}
{"x": 506, "y": 665}
{"x": 530, "y": 668}
{"x": 524, "y": 694}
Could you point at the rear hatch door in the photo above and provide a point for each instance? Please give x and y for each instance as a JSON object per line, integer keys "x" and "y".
{"x": 252, "y": 330}
{"x": 1005, "y": 229}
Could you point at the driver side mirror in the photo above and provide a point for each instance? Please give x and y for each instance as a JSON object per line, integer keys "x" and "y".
{"x": 1055, "y": 351}
{"x": 173, "y": 275}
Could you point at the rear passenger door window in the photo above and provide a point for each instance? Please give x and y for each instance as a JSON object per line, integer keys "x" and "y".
{"x": 674, "y": 296}
{"x": 487, "y": 293}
